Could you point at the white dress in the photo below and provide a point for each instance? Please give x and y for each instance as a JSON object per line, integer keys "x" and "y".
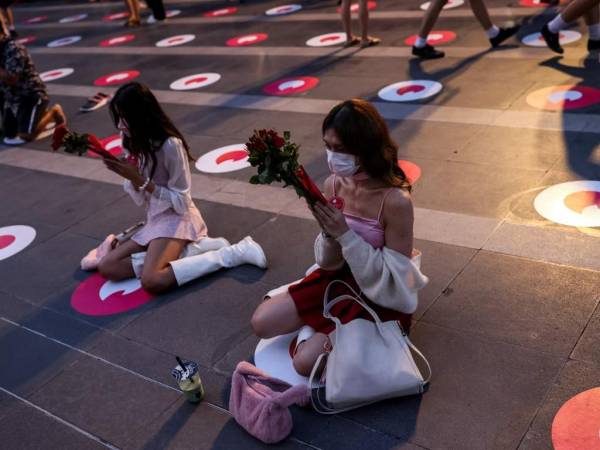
{"x": 170, "y": 211}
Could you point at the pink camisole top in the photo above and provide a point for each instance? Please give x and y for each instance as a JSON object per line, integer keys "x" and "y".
{"x": 370, "y": 230}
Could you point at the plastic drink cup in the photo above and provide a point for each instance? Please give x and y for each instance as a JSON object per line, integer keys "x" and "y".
{"x": 189, "y": 381}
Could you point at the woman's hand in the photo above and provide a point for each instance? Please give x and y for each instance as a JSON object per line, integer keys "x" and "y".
{"x": 330, "y": 219}
{"x": 125, "y": 170}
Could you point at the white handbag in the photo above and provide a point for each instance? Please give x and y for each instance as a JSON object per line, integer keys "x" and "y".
{"x": 370, "y": 361}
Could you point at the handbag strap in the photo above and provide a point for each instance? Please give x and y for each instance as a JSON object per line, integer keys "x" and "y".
{"x": 328, "y": 305}
{"x": 422, "y": 356}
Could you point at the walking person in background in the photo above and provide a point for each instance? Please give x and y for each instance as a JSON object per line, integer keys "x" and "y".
{"x": 134, "y": 13}
{"x": 363, "y": 14}
{"x": 495, "y": 34}
{"x": 158, "y": 10}
{"x": 587, "y": 8}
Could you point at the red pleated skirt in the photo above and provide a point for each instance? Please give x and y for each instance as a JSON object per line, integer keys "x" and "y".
{"x": 308, "y": 298}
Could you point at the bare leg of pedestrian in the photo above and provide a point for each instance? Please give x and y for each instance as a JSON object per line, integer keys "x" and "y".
{"x": 10, "y": 19}
{"x": 351, "y": 39}
{"x": 134, "y": 13}
{"x": 421, "y": 48}
{"x": 495, "y": 34}
{"x": 55, "y": 114}
{"x": 363, "y": 13}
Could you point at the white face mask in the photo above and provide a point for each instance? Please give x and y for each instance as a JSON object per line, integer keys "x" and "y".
{"x": 342, "y": 164}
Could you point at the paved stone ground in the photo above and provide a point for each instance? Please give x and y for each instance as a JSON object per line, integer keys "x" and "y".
{"x": 509, "y": 322}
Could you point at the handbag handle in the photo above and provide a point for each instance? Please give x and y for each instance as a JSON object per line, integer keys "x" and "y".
{"x": 327, "y": 305}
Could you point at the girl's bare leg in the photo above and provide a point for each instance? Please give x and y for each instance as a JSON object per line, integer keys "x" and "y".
{"x": 275, "y": 316}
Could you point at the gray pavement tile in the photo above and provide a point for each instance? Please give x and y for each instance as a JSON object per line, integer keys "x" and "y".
{"x": 26, "y": 428}
{"x": 202, "y": 320}
{"x": 587, "y": 348}
{"x": 441, "y": 263}
{"x": 54, "y": 263}
{"x": 157, "y": 365}
{"x": 288, "y": 243}
{"x": 494, "y": 187}
{"x": 482, "y": 394}
{"x": 510, "y": 147}
{"x": 243, "y": 351}
{"x": 104, "y": 400}
{"x": 48, "y": 322}
{"x": 30, "y": 361}
{"x": 535, "y": 305}
{"x": 574, "y": 378}
{"x": 185, "y": 426}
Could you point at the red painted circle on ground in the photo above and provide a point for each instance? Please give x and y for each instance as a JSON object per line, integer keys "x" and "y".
{"x": 559, "y": 98}
{"x": 98, "y": 297}
{"x": 236, "y": 155}
{"x": 537, "y": 3}
{"x": 117, "y": 40}
{"x": 116, "y": 16}
{"x": 26, "y": 40}
{"x": 36, "y": 19}
{"x": 117, "y": 78}
{"x": 221, "y": 12}
{"x": 576, "y": 426}
{"x": 354, "y": 7}
{"x": 411, "y": 170}
{"x": 292, "y": 85}
{"x": 6, "y": 240}
{"x": 434, "y": 38}
{"x": 247, "y": 39}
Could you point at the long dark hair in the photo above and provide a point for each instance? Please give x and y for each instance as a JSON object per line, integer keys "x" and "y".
{"x": 149, "y": 126}
{"x": 364, "y": 133}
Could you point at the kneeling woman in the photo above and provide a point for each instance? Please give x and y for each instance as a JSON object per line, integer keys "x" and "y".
{"x": 369, "y": 246}
{"x": 160, "y": 180}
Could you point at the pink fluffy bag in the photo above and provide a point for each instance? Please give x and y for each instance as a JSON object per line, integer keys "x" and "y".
{"x": 259, "y": 403}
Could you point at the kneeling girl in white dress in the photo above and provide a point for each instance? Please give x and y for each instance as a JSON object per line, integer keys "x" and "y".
{"x": 173, "y": 246}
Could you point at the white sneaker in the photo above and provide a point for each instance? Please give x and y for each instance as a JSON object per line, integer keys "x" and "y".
{"x": 151, "y": 20}
{"x": 13, "y": 141}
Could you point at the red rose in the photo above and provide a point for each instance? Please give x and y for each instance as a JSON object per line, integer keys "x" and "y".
{"x": 278, "y": 141}
{"x": 58, "y": 136}
{"x": 95, "y": 142}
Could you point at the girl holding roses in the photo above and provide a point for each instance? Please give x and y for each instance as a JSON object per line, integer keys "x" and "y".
{"x": 368, "y": 245}
{"x": 172, "y": 247}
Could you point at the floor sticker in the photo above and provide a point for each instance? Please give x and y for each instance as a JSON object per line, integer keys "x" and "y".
{"x": 62, "y": 42}
{"x": 97, "y": 296}
{"x": 283, "y": 10}
{"x": 116, "y": 16}
{"x": 576, "y": 425}
{"x": 408, "y": 91}
{"x": 117, "y": 78}
{"x": 326, "y": 40}
{"x": 15, "y": 238}
{"x": 434, "y": 38}
{"x": 224, "y": 159}
{"x": 274, "y": 356}
{"x": 173, "y": 41}
{"x": 575, "y": 203}
{"x": 536, "y": 39}
{"x": 451, "y": 4}
{"x": 56, "y": 74}
{"x": 292, "y": 85}
{"x": 247, "y": 39}
{"x": 117, "y": 40}
{"x": 221, "y": 12}
{"x": 196, "y": 81}
{"x": 559, "y": 98}
{"x": 36, "y": 19}
{"x": 75, "y": 18}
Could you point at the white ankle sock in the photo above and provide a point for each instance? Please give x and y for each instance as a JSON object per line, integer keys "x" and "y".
{"x": 594, "y": 32}
{"x": 420, "y": 42}
{"x": 557, "y": 24}
{"x": 493, "y": 31}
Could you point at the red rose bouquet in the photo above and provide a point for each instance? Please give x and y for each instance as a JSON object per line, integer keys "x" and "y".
{"x": 276, "y": 159}
{"x": 78, "y": 143}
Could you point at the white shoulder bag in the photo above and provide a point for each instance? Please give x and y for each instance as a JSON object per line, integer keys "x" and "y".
{"x": 370, "y": 361}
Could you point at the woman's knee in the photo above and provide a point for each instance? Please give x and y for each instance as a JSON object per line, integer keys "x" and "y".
{"x": 303, "y": 362}
{"x": 260, "y": 323}
{"x": 154, "y": 282}
{"x": 106, "y": 268}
